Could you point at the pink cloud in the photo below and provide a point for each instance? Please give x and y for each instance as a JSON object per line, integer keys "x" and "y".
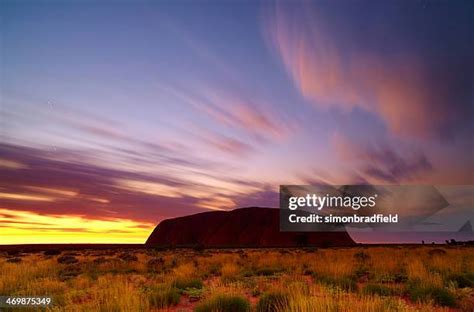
{"x": 247, "y": 115}
{"x": 333, "y": 74}
{"x": 227, "y": 144}
{"x": 382, "y": 163}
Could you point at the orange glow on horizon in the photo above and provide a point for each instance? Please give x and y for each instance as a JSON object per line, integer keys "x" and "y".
{"x": 24, "y": 227}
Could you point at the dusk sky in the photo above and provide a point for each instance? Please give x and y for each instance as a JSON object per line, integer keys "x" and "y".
{"x": 115, "y": 115}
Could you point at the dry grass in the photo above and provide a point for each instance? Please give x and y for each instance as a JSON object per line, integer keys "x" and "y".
{"x": 349, "y": 279}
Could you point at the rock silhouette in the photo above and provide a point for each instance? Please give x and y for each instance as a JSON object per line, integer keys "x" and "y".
{"x": 244, "y": 227}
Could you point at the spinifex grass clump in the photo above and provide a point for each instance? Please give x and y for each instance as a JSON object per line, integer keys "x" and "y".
{"x": 67, "y": 259}
{"x": 362, "y": 256}
{"x": 461, "y": 280}
{"x": 155, "y": 264}
{"x": 362, "y": 272}
{"x": 376, "y": 289}
{"x": 274, "y": 301}
{"x": 186, "y": 283}
{"x": 162, "y": 296}
{"x": 224, "y": 303}
{"x": 193, "y": 294}
{"x": 230, "y": 272}
{"x": 420, "y": 292}
{"x": 52, "y": 252}
{"x": 268, "y": 271}
{"x": 345, "y": 283}
{"x": 69, "y": 272}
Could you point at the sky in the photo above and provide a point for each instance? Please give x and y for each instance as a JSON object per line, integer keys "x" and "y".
{"x": 115, "y": 115}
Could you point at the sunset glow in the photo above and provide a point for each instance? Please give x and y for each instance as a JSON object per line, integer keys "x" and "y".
{"x": 17, "y": 228}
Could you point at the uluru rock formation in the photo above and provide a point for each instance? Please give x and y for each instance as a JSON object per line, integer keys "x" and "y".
{"x": 245, "y": 227}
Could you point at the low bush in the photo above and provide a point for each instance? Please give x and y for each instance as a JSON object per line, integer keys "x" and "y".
{"x": 437, "y": 252}
{"x": 128, "y": 257}
{"x": 72, "y": 253}
{"x": 163, "y": 296}
{"x": 194, "y": 294}
{"x": 361, "y": 256}
{"x": 69, "y": 272}
{"x": 397, "y": 277}
{"x": 67, "y": 260}
{"x": 13, "y": 252}
{"x": 268, "y": 271}
{"x": 185, "y": 283}
{"x": 224, "y": 303}
{"x": 100, "y": 260}
{"x": 376, "y": 289}
{"x": 247, "y": 272}
{"x": 155, "y": 264}
{"x": 443, "y": 297}
{"x": 273, "y": 302}
{"x": 462, "y": 280}
{"x": 362, "y": 272}
{"x": 214, "y": 269}
{"x": 52, "y": 252}
{"x": 422, "y": 293}
{"x": 344, "y": 283}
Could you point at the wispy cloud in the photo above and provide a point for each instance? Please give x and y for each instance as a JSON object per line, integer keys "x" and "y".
{"x": 57, "y": 184}
{"x": 85, "y": 189}
{"x": 227, "y": 144}
{"x": 245, "y": 114}
{"x": 335, "y": 65}
{"x": 380, "y": 162}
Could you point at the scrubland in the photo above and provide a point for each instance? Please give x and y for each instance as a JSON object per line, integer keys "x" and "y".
{"x": 347, "y": 279}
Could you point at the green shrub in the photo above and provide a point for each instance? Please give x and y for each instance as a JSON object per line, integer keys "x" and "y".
{"x": 267, "y": 271}
{"x": 193, "y": 293}
{"x": 161, "y": 297}
{"x": 376, "y": 289}
{"x": 155, "y": 264}
{"x": 398, "y": 277}
{"x": 441, "y": 296}
{"x": 248, "y": 272}
{"x": 273, "y": 302}
{"x": 67, "y": 259}
{"x": 214, "y": 269}
{"x": 437, "y": 252}
{"x": 224, "y": 303}
{"x": 343, "y": 283}
{"x": 185, "y": 283}
{"x": 52, "y": 252}
{"x": 362, "y": 271}
{"x": 361, "y": 256}
{"x": 69, "y": 272}
{"x": 462, "y": 280}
